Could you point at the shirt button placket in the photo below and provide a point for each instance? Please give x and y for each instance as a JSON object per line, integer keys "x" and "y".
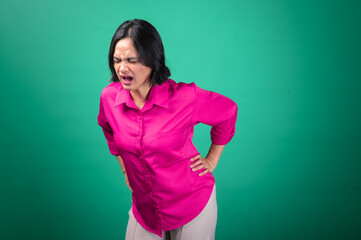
{"x": 141, "y": 157}
{"x": 139, "y": 117}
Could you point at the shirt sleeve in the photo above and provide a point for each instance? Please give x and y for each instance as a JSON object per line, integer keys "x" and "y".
{"x": 107, "y": 130}
{"x": 218, "y": 111}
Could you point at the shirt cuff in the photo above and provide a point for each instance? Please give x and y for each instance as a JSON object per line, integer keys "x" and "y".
{"x": 221, "y": 139}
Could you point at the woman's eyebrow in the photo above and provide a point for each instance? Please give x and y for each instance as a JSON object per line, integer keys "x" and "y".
{"x": 125, "y": 58}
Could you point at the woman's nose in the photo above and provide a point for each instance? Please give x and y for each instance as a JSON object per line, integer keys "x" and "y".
{"x": 123, "y": 66}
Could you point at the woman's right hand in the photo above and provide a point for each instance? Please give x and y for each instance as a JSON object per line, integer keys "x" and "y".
{"x": 127, "y": 181}
{"x": 120, "y": 160}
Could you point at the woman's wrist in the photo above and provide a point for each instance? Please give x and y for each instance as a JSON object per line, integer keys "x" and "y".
{"x": 214, "y": 153}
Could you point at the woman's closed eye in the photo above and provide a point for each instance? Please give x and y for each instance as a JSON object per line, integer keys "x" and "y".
{"x": 128, "y": 60}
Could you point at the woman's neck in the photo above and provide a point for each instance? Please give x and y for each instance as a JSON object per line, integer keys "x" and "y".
{"x": 140, "y": 96}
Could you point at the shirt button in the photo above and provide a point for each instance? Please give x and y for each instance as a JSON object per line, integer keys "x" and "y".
{"x": 139, "y": 117}
{"x": 138, "y": 138}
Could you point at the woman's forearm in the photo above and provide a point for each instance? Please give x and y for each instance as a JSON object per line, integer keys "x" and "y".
{"x": 120, "y": 160}
{"x": 214, "y": 153}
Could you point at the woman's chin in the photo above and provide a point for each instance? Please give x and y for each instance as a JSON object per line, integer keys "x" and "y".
{"x": 127, "y": 86}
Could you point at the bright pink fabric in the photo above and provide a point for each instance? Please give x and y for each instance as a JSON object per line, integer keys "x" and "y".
{"x": 155, "y": 144}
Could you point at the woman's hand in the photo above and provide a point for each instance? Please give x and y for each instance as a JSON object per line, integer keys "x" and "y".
{"x": 126, "y": 181}
{"x": 208, "y": 164}
{"x": 120, "y": 160}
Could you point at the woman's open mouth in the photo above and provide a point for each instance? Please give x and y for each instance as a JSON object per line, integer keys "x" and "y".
{"x": 127, "y": 79}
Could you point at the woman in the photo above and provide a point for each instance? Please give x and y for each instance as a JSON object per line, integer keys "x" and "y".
{"x": 148, "y": 122}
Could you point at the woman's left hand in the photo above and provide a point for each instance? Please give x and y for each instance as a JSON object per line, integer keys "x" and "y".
{"x": 202, "y": 163}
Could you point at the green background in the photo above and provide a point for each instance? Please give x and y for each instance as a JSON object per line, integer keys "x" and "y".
{"x": 292, "y": 171}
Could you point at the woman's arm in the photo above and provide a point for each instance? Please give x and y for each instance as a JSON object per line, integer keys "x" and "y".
{"x": 208, "y": 163}
{"x": 220, "y": 112}
{"x": 120, "y": 160}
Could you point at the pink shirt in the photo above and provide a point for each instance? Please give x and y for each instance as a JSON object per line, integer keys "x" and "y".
{"x": 155, "y": 144}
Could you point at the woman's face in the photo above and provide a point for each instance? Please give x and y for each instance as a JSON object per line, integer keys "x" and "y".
{"x": 133, "y": 75}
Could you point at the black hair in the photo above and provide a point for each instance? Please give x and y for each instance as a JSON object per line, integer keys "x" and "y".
{"x": 149, "y": 46}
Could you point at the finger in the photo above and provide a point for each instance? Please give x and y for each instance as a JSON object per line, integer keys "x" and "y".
{"x": 127, "y": 182}
{"x": 129, "y": 187}
{"x": 196, "y": 163}
{"x": 204, "y": 172}
{"x": 200, "y": 166}
{"x": 195, "y": 157}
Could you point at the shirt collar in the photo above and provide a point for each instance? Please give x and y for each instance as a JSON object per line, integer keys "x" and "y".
{"x": 158, "y": 95}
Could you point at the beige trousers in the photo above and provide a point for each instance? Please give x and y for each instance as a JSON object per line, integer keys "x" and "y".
{"x": 202, "y": 227}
